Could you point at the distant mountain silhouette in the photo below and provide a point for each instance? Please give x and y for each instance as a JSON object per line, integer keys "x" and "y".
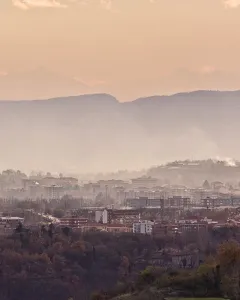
{"x": 92, "y": 133}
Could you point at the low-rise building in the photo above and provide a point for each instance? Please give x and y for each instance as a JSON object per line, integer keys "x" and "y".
{"x": 162, "y": 228}
{"x": 193, "y": 227}
{"x": 178, "y": 259}
{"x": 8, "y": 224}
{"x": 73, "y": 222}
{"x": 113, "y": 228}
{"x": 10, "y": 221}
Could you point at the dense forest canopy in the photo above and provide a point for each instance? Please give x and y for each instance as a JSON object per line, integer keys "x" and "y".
{"x": 50, "y": 264}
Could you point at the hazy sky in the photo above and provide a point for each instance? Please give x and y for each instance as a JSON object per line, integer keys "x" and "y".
{"x": 128, "y": 48}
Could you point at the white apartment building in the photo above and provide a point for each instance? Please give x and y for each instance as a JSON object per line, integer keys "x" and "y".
{"x": 102, "y": 216}
{"x": 143, "y": 227}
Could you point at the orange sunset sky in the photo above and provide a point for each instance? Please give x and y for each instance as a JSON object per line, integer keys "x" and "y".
{"x": 128, "y": 48}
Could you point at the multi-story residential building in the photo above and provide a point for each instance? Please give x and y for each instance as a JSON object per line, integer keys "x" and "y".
{"x": 67, "y": 182}
{"x": 103, "y": 216}
{"x": 156, "y": 202}
{"x": 144, "y": 182}
{"x": 139, "y": 202}
{"x": 177, "y": 201}
{"x": 172, "y": 191}
{"x": 143, "y": 227}
{"x": 143, "y": 202}
{"x": 218, "y": 202}
{"x": 98, "y": 216}
{"x": 113, "y": 183}
{"x": 123, "y": 216}
{"x": 193, "y": 227}
{"x": 162, "y": 228}
{"x": 53, "y": 192}
{"x": 35, "y": 191}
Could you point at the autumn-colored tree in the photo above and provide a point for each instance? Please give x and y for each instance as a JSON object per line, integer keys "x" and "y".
{"x": 229, "y": 260}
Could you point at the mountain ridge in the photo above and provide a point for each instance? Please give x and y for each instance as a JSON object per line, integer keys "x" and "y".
{"x": 97, "y": 133}
{"x": 194, "y": 93}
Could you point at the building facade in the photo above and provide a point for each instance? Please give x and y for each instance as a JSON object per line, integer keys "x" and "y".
{"x": 143, "y": 227}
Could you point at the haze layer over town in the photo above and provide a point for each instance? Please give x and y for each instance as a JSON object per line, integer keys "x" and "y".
{"x": 119, "y": 150}
{"x": 96, "y": 133}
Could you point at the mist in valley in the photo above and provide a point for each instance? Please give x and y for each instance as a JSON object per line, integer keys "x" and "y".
{"x": 97, "y": 133}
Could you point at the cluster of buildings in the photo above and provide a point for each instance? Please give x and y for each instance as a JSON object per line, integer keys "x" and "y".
{"x": 132, "y": 220}
{"x": 141, "y": 205}
{"x": 139, "y": 192}
{"x": 37, "y": 187}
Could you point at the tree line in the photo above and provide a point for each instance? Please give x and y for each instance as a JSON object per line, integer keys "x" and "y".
{"x": 57, "y": 263}
{"x": 217, "y": 277}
